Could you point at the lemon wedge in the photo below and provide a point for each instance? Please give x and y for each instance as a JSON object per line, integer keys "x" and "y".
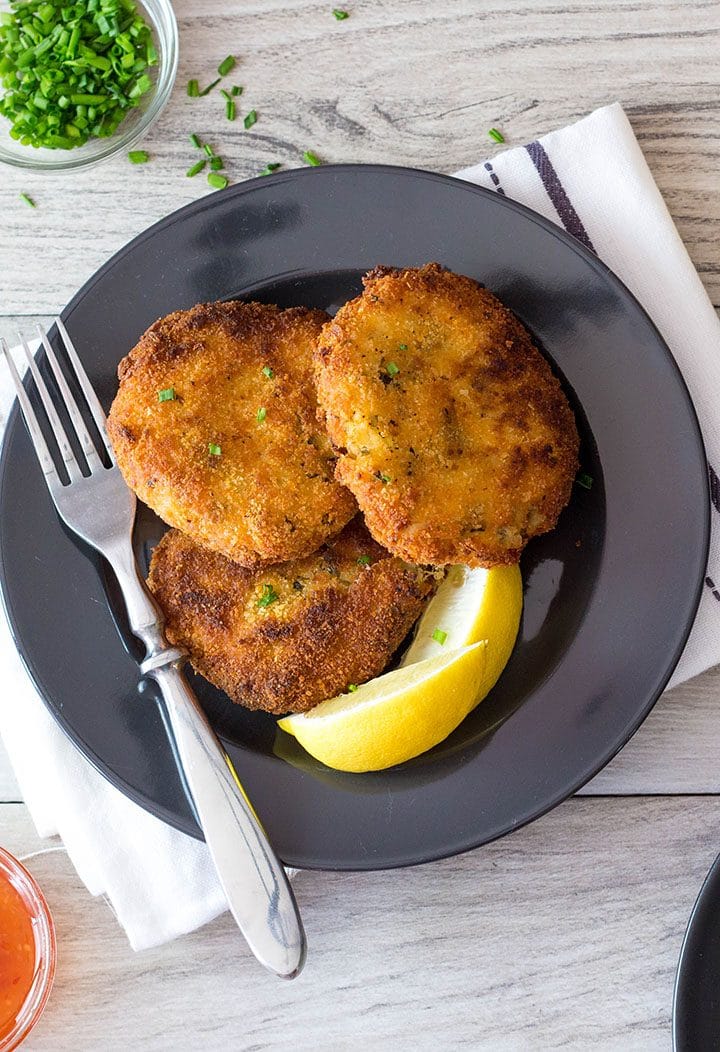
{"x": 471, "y": 605}
{"x": 393, "y": 717}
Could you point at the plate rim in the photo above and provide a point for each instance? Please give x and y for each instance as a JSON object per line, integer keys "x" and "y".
{"x": 589, "y": 258}
{"x": 711, "y": 883}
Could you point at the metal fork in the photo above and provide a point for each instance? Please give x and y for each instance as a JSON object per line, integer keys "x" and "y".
{"x": 99, "y": 508}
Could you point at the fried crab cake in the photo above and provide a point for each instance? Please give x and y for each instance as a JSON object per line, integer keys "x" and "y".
{"x": 452, "y": 432}
{"x": 286, "y": 637}
{"x": 215, "y": 427}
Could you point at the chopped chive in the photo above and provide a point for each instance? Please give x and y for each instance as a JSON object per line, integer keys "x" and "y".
{"x": 226, "y": 65}
{"x": 340, "y": 15}
{"x": 402, "y": 346}
{"x": 138, "y": 156}
{"x": 230, "y": 110}
{"x": 439, "y": 636}
{"x": 250, "y": 119}
{"x": 214, "y": 450}
{"x": 584, "y": 480}
{"x": 208, "y": 89}
{"x": 28, "y": 200}
{"x": 364, "y": 560}
{"x": 196, "y": 168}
{"x": 216, "y": 163}
{"x": 208, "y": 149}
{"x": 166, "y": 395}
{"x": 311, "y": 158}
{"x": 236, "y": 89}
{"x": 391, "y": 369}
{"x": 261, "y": 414}
{"x": 193, "y": 89}
{"x": 270, "y": 168}
{"x": 217, "y": 181}
{"x": 496, "y": 135}
{"x": 195, "y": 141}
{"x": 384, "y": 478}
{"x": 269, "y": 595}
{"x": 267, "y": 371}
{"x": 352, "y": 687}
{"x": 225, "y": 94}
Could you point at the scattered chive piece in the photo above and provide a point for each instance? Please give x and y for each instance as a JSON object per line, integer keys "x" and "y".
{"x": 352, "y": 687}
{"x": 214, "y": 450}
{"x": 584, "y": 480}
{"x": 196, "y": 168}
{"x": 208, "y": 89}
{"x": 385, "y": 478}
{"x": 195, "y": 141}
{"x": 439, "y": 636}
{"x": 193, "y": 89}
{"x": 402, "y": 346}
{"x": 166, "y": 395}
{"x": 225, "y": 93}
{"x": 216, "y": 163}
{"x": 261, "y": 414}
{"x": 340, "y": 15}
{"x": 364, "y": 560}
{"x": 226, "y": 65}
{"x": 28, "y": 200}
{"x": 391, "y": 369}
{"x": 496, "y": 135}
{"x": 269, "y": 595}
{"x": 217, "y": 181}
{"x": 311, "y": 158}
{"x": 267, "y": 371}
{"x": 236, "y": 89}
{"x": 138, "y": 156}
{"x": 270, "y": 168}
{"x": 208, "y": 149}
{"x": 230, "y": 110}
{"x": 250, "y": 119}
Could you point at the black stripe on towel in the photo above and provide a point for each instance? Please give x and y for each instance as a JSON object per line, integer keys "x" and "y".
{"x": 557, "y": 194}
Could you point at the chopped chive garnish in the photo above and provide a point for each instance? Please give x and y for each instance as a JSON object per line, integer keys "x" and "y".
{"x": 217, "y": 181}
{"x": 166, "y": 395}
{"x": 269, "y": 595}
{"x": 311, "y": 158}
{"x": 267, "y": 371}
{"x": 352, "y": 687}
{"x": 138, "y": 156}
{"x": 236, "y": 89}
{"x": 584, "y": 480}
{"x": 216, "y": 163}
{"x": 496, "y": 135}
{"x": 196, "y": 168}
{"x": 261, "y": 414}
{"x": 226, "y": 65}
{"x": 384, "y": 478}
{"x": 193, "y": 89}
{"x": 208, "y": 149}
{"x": 270, "y": 168}
{"x": 402, "y": 346}
{"x": 225, "y": 94}
{"x": 439, "y": 636}
{"x": 250, "y": 119}
{"x": 208, "y": 89}
{"x": 364, "y": 560}
{"x": 195, "y": 141}
{"x": 340, "y": 15}
{"x": 391, "y": 369}
{"x": 214, "y": 450}
{"x": 28, "y": 200}
{"x": 230, "y": 110}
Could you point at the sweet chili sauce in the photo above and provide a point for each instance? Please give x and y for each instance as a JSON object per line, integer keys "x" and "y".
{"x": 17, "y": 955}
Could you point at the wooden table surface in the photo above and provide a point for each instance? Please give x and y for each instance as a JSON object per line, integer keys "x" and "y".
{"x": 565, "y": 935}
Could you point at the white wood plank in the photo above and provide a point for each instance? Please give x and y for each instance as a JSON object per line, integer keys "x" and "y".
{"x": 565, "y": 935}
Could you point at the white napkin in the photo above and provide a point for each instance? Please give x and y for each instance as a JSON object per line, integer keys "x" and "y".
{"x": 590, "y": 178}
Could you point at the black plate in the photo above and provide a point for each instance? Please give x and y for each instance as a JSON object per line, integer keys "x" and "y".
{"x": 696, "y": 1004}
{"x": 610, "y": 594}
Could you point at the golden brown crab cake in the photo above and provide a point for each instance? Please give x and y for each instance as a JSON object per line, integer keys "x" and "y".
{"x": 286, "y": 637}
{"x": 452, "y": 432}
{"x": 215, "y": 427}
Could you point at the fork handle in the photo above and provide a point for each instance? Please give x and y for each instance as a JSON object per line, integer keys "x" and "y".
{"x": 253, "y": 878}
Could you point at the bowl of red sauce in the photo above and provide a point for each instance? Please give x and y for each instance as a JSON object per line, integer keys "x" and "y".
{"x": 27, "y": 952}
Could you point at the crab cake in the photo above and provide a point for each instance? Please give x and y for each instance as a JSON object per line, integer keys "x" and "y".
{"x": 452, "y": 431}
{"x": 286, "y": 637}
{"x": 215, "y": 427}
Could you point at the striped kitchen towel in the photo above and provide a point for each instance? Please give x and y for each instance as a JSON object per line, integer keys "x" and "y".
{"x": 592, "y": 179}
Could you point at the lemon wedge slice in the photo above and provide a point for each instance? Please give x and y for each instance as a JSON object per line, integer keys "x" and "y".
{"x": 393, "y": 717}
{"x": 471, "y": 605}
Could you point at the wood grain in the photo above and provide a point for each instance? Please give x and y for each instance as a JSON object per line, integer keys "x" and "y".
{"x": 565, "y": 935}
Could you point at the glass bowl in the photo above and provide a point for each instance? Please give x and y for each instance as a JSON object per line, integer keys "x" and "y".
{"x": 161, "y": 18}
{"x": 33, "y": 899}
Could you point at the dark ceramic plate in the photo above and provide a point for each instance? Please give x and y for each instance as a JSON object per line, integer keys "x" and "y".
{"x": 610, "y": 594}
{"x": 696, "y": 1004}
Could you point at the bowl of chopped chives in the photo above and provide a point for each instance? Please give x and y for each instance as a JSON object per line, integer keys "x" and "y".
{"x": 82, "y": 80}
